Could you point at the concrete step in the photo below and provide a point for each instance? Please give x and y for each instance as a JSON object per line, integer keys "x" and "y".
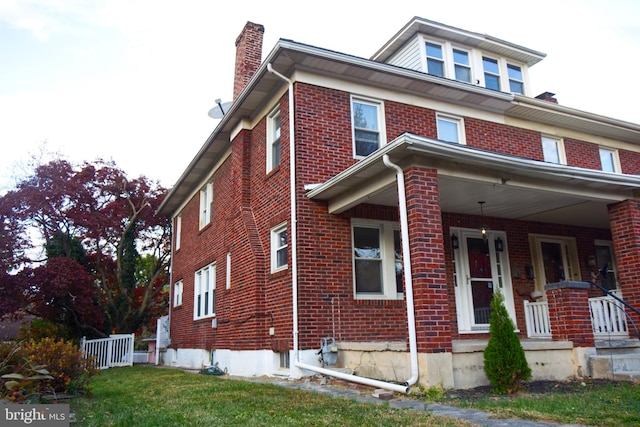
{"x": 623, "y": 346}
{"x": 604, "y": 366}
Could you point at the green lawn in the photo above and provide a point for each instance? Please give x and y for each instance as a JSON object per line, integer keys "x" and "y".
{"x": 147, "y": 396}
{"x": 591, "y": 403}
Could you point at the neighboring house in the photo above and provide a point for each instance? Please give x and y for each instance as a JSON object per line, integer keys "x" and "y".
{"x": 379, "y": 203}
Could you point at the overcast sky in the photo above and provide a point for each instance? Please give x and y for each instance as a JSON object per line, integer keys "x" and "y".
{"x": 133, "y": 80}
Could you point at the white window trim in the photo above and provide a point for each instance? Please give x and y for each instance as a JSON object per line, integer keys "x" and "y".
{"x": 178, "y": 288}
{"x": 228, "y": 275}
{"x": 562, "y": 155}
{"x": 615, "y": 156}
{"x": 271, "y": 138}
{"x": 382, "y": 132}
{"x": 387, "y": 254}
{"x": 448, "y": 58}
{"x": 209, "y": 287}
{"x": 459, "y": 121}
{"x": 501, "y": 71}
{"x": 178, "y": 231}
{"x": 509, "y": 79}
{"x": 206, "y": 204}
{"x": 275, "y": 247}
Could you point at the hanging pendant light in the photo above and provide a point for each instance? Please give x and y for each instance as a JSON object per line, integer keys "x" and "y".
{"x": 484, "y": 228}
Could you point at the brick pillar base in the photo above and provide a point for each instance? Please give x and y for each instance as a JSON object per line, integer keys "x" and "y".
{"x": 569, "y": 312}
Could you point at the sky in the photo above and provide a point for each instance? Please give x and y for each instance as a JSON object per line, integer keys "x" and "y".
{"x": 132, "y": 80}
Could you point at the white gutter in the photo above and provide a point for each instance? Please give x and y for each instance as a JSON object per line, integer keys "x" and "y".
{"x": 294, "y": 273}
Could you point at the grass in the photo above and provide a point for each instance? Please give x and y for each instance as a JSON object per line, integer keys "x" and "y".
{"x": 146, "y": 396}
{"x": 598, "y": 403}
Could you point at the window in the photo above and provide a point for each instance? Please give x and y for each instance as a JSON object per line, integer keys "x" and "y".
{"x": 516, "y": 83}
{"x": 228, "y": 276}
{"x": 435, "y": 59}
{"x": 177, "y": 293}
{"x": 606, "y": 264}
{"x": 609, "y": 160}
{"x": 377, "y": 260}
{"x": 204, "y": 292}
{"x": 461, "y": 65}
{"x": 273, "y": 140}
{"x": 553, "y": 150}
{"x": 368, "y": 123}
{"x": 285, "y": 361}
{"x": 206, "y": 204}
{"x": 450, "y": 129}
{"x": 491, "y": 73}
{"x": 279, "y": 248}
{"x": 178, "y": 231}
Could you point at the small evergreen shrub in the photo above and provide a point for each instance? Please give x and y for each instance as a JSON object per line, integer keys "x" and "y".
{"x": 504, "y": 361}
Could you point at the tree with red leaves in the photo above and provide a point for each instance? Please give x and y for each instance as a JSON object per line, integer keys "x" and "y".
{"x": 100, "y": 231}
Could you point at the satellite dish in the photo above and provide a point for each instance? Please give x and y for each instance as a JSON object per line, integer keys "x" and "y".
{"x": 219, "y": 110}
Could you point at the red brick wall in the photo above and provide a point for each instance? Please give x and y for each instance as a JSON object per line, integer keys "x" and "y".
{"x": 625, "y": 218}
{"x": 248, "y": 202}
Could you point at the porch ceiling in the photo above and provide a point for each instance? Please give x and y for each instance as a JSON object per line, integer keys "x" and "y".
{"x": 512, "y": 188}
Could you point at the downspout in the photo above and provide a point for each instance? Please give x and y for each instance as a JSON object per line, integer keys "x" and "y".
{"x": 294, "y": 273}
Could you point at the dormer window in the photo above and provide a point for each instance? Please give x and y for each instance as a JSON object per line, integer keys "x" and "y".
{"x": 491, "y": 73}
{"x": 462, "y": 65}
{"x": 435, "y": 59}
{"x": 516, "y": 83}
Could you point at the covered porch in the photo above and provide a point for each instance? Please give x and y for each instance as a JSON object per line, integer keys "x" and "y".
{"x": 505, "y": 223}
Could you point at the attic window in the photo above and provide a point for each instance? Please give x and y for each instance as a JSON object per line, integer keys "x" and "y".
{"x": 491, "y": 73}
{"x": 516, "y": 83}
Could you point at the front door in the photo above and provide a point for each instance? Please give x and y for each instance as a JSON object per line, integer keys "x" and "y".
{"x": 481, "y": 269}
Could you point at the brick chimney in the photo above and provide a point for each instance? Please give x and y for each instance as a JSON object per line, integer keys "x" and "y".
{"x": 548, "y": 96}
{"x": 248, "y": 55}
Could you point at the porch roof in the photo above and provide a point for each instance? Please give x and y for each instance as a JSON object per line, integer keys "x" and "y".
{"x": 512, "y": 187}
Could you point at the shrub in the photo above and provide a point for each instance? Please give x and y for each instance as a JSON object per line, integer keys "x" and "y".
{"x": 70, "y": 372}
{"x": 21, "y": 379}
{"x": 504, "y": 361}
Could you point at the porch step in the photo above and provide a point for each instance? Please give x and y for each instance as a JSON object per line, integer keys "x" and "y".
{"x": 605, "y": 366}
{"x": 620, "y": 346}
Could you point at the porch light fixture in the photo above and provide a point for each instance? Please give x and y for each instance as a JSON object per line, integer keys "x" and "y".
{"x": 484, "y": 228}
{"x": 499, "y": 245}
{"x": 455, "y": 244}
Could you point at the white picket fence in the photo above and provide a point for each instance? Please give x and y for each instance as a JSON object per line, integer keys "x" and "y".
{"x": 115, "y": 351}
{"x": 537, "y": 319}
{"x": 608, "y": 317}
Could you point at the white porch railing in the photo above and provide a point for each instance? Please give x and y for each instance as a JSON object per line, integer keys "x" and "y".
{"x": 115, "y": 351}
{"x": 608, "y": 318}
{"x": 537, "y": 318}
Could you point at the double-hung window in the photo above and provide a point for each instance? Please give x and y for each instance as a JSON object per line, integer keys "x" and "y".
{"x": 462, "y": 65}
{"x": 609, "y": 160}
{"x": 206, "y": 204}
{"x": 279, "y": 248}
{"x": 368, "y": 126}
{"x": 553, "y": 150}
{"x": 450, "y": 128}
{"x": 204, "y": 292}
{"x": 516, "y": 82}
{"x": 178, "y": 231}
{"x": 435, "y": 59}
{"x": 377, "y": 260}
{"x": 177, "y": 293}
{"x": 491, "y": 73}
{"x": 273, "y": 140}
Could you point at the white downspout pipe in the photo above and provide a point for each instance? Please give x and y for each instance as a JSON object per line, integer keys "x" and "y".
{"x": 294, "y": 273}
{"x": 406, "y": 259}
{"x": 294, "y": 215}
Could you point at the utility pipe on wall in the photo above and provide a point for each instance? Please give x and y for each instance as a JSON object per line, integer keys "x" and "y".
{"x": 403, "y": 388}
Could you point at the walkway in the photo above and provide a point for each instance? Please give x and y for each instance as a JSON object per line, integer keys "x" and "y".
{"x": 474, "y": 416}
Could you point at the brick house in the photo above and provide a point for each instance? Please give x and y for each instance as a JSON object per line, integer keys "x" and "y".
{"x": 366, "y": 210}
